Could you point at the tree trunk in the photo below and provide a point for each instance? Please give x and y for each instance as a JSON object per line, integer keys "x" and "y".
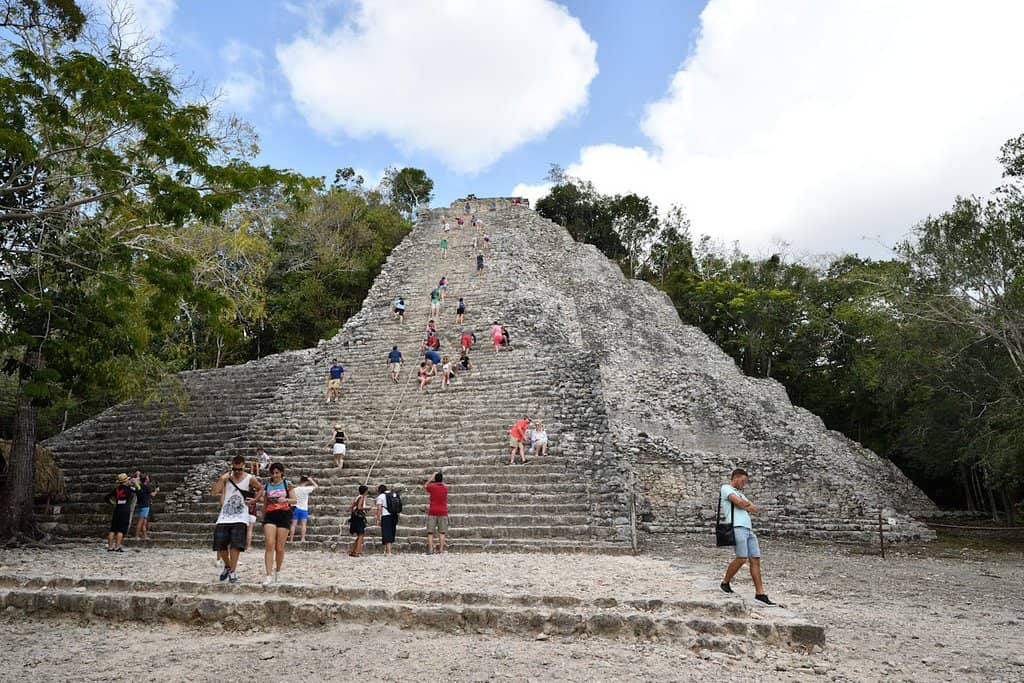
{"x": 965, "y": 482}
{"x": 21, "y": 471}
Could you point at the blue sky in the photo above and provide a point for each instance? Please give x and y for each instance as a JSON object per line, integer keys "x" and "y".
{"x": 827, "y": 127}
{"x": 640, "y": 47}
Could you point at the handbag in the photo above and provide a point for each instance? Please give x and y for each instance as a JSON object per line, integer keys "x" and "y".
{"x": 725, "y": 534}
{"x": 246, "y": 494}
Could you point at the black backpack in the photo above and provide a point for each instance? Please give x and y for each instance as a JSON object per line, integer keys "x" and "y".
{"x": 394, "y": 503}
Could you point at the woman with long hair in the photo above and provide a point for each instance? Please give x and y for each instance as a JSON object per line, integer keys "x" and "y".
{"x": 278, "y": 499}
{"x": 357, "y": 522}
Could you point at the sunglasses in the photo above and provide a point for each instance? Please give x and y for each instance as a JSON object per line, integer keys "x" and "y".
{"x": 237, "y": 469}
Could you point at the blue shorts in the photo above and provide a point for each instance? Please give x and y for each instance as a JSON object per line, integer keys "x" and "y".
{"x": 299, "y": 515}
{"x": 143, "y": 512}
{"x": 746, "y": 542}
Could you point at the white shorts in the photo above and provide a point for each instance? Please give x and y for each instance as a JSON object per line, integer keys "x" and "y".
{"x": 339, "y": 449}
{"x": 252, "y": 519}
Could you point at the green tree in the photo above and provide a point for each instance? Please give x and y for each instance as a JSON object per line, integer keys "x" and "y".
{"x": 103, "y": 163}
{"x": 407, "y": 189}
{"x": 636, "y": 223}
{"x": 328, "y": 252}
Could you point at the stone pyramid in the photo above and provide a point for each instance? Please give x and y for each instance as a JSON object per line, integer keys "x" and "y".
{"x": 646, "y": 415}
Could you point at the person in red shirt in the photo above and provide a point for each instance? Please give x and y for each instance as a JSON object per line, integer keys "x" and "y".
{"x": 516, "y": 436}
{"x": 437, "y": 511}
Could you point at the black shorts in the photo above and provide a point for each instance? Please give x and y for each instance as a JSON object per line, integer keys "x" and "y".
{"x": 120, "y": 519}
{"x": 232, "y": 536}
{"x": 279, "y": 518}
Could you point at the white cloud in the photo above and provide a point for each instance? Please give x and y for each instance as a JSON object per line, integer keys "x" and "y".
{"x": 244, "y": 81}
{"x": 465, "y": 81}
{"x": 824, "y": 123}
{"x": 151, "y": 17}
{"x": 531, "y": 192}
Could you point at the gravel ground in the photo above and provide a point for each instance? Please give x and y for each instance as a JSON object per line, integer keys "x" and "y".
{"x": 943, "y": 613}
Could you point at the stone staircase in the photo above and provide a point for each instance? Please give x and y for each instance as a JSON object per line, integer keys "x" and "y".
{"x": 637, "y": 406}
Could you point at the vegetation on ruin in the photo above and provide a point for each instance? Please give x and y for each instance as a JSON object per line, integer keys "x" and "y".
{"x": 139, "y": 237}
{"x": 919, "y": 356}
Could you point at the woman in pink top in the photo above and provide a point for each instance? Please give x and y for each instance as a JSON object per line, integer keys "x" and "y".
{"x": 496, "y": 335}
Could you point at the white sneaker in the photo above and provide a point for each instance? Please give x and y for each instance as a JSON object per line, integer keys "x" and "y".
{"x": 267, "y": 580}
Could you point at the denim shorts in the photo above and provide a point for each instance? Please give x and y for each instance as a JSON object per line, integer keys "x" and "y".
{"x": 299, "y": 514}
{"x": 746, "y": 542}
{"x": 143, "y": 512}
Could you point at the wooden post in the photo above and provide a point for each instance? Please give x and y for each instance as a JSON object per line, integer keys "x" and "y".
{"x": 881, "y": 535}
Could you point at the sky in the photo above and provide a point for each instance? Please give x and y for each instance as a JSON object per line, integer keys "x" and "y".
{"x": 829, "y": 127}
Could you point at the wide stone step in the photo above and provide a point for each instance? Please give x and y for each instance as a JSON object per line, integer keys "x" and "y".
{"x": 695, "y": 623}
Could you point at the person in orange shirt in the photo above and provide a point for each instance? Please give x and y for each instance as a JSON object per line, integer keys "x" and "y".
{"x": 516, "y": 435}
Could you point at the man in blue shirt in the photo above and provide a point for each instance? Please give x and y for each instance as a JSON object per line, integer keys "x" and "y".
{"x": 738, "y": 508}
{"x": 433, "y": 356}
{"x": 335, "y": 377}
{"x": 395, "y": 361}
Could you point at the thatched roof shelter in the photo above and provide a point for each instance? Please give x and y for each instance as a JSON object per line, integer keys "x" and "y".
{"x": 49, "y": 477}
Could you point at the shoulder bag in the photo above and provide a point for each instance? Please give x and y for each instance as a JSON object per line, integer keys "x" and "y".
{"x": 724, "y": 533}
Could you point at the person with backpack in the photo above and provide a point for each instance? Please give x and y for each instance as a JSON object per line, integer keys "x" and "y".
{"x": 278, "y": 499}
{"x": 389, "y": 506}
{"x": 435, "y": 302}
{"x": 121, "y": 515}
{"x": 460, "y": 312}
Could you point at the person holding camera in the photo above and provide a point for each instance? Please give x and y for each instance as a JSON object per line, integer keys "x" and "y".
{"x": 234, "y": 488}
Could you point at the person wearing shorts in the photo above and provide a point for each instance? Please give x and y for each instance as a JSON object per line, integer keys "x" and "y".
{"x": 738, "y": 508}
{"x": 437, "y": 511}
{"x": 399, "y": 309}
{"x": 516, "y": 435}
{"x": 121, "y": 515}
{"x": 300, "y": 515}
{"x": 233, "y": 488}
{"x": 144, "y": 499}
{"x": 337, "y": 444}
{"x": 278, "y": 497}
{"x": 336, "y": 375}
{"x": 395, "y": 363}
{"x": 479, "y": 262}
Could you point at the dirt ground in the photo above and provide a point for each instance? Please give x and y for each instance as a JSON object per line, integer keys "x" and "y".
{"x": 951, "y": 611}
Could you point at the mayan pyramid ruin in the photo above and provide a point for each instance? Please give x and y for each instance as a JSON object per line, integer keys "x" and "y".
{"x": 646, "y": 416}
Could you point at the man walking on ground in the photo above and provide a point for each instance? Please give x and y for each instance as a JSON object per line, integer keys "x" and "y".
{"x": 738, "y": 508}
{"x": 516, "y": 435}
{"x": 335, "y": 377}
{"x": 395, "y": 362}
{"x": 233, "y": 488}
{"x": 437, "y": 511}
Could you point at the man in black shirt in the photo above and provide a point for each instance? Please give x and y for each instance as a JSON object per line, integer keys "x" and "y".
{"x": 121, "y": 499}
